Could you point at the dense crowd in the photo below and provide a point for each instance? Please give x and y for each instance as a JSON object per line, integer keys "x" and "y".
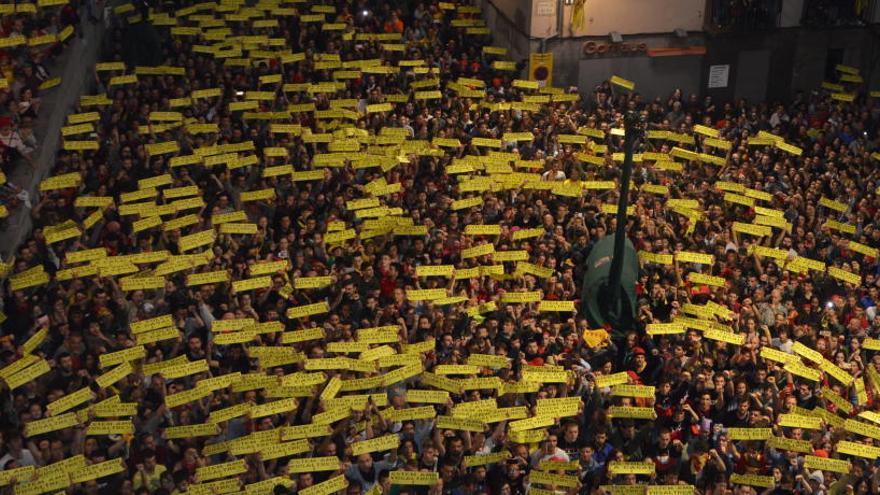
{"x": 33, "y": 35}
{"x": 339, "y": 249}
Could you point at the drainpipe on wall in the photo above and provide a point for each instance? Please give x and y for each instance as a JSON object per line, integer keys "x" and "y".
{"x": 543, "y": 45}
{"x": 560, "y": 20}
{"x": 560, "y": 17}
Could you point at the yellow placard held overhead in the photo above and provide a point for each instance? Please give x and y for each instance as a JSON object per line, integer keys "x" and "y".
{"x": 541, "y": 68}
{"x": 623, "y": 83}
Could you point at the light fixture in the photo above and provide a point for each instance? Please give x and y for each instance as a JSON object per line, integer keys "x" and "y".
{"x": 615, "y": 37}
{"x": 681, "y": 32}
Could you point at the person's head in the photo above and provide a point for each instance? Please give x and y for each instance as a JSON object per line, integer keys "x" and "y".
{"x": 65, "y": 362}
{"x": 639, "y": 357}
{"x": 14, "y": 440}
{"x": 600, "y": 437}
{"x": 587, "y": 452}
{"x": 166, "y": 481}
{"x": 448, "y": 471}
{"x": 705, "y": 401}
{"x": 181, "y": 480}
{"x": 149, "y": 457}
{"x": 305, "y": 480}
{"x": 126, "y": 487}
{"x": 365, "y": 462}
{"x": 628, "y": 429}
{"x": 664, "y": 438}
{"x": 754, "y": 415}
{"x": 57, "y": 450}
{"x": 456, "y": 446}
{"x": 572, "y": 430}
{"x": 550, "y": 444}
{"x": 429, "y": 453}
{"x": 804, "y": 391}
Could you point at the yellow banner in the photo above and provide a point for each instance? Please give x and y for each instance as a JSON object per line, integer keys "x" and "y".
{"x": 49, "y": 424}
{"x": 484, "y": 459}
{"x": 222, "y": 470}
{"x": 333, "y": 485}
{"x": 100, "y": 428}
{"x": 308, "y": 310}
{"x": 621, "y": 467}
{"x": 834, "y": 465}
{"x": 99, "y": 470}
{"x": 752, "y": 480}
{"x": 623, "y": 83}
{"x": 545, "y": 478}
{"x": 313, "y": 464}
{"x": 632, "y": 412}
{"x": 380, "y": 444}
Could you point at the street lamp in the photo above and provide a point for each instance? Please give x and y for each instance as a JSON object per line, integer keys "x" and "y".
{"x": 608, "y": 296}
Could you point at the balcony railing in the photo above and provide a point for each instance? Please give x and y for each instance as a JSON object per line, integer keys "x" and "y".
{"x": 833, "y": 13}
{"x": 740, "y": 16}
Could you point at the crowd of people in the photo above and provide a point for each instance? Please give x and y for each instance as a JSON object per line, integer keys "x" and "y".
{"x": 339, "y": 248}
{"x": 33, "y": 34}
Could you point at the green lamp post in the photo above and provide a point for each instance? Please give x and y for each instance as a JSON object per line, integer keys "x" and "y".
{"x": 612, "y": 267}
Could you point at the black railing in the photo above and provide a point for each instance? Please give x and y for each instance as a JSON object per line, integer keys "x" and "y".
{"x": 832, "y": 13}
{"x": 742, "y": 15}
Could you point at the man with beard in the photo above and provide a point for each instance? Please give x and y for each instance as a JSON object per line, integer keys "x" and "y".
{"x": 739, "y": 417}
{"x": 646, "y": 369}
{"x": 602, "y": 448}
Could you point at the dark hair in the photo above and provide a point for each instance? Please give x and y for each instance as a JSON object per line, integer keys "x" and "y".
{"x": 180, "y": 476}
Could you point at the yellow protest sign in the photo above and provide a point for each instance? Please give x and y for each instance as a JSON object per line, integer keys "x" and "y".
{"x": 622, "y": 467}
{"x": 379, "y": 444}
{"x": 826, "y": 464}
{"x": 623, "y": 83}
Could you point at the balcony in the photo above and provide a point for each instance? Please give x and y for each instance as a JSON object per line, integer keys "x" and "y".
{"x": 740, "y": 16}
{"x": 744, "y": 16}
{"x": 838, "y": 13}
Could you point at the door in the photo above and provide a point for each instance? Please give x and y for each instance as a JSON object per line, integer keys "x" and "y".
{"x": 752, "y": 72}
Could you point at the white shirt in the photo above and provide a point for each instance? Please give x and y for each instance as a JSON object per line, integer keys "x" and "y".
{"x": 540, "y": 455}
{"x": 554, "y": 176}
{"x": 13, "y": 140}
{"x": 25, "y": 458}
